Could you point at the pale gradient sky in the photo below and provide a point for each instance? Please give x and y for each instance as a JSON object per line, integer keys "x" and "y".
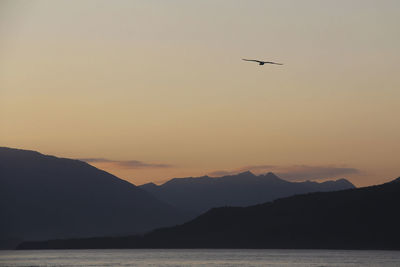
{"x": 163, "y": 83}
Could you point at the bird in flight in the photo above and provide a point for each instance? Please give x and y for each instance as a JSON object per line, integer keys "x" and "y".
{"x": 262, "y": 62}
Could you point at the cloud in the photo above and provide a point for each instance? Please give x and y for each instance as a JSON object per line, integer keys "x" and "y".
{"x": 293, "y": 172}
{"x": 127, "y": 164}
{"x": 95, "y": 160}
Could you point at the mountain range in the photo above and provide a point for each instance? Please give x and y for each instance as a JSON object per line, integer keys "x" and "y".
{"x": 199, "y": 194}
{"x": 362, "y": 218}
{"x": 44, "y": 197}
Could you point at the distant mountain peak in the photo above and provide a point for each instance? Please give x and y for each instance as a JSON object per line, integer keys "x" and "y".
{"x": 271, "y": 174}
{"x": 246, "y": 173}
{"x": 344, "y": 181}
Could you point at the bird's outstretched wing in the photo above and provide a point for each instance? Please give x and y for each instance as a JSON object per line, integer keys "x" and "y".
{"x": 262, "y": 62}
{"x": 270, "y": 62}
{"x": 254, "y": 60}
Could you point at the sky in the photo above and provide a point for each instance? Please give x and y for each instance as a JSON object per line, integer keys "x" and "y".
{"x": 151, "y": 90}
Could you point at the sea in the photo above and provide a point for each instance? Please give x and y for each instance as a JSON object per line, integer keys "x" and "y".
{"x": 199, "y": 257}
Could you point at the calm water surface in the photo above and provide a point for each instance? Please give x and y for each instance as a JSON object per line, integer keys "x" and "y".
{"x": 199, "y": 257}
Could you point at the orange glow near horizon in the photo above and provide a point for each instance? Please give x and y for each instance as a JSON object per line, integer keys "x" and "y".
{"x": 164, "y": 83}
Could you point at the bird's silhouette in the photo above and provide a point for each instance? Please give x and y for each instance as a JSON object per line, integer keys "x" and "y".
{"x": 262, "y": 62}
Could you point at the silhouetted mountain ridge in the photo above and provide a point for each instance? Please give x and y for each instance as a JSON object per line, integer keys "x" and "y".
{"x": 397, "y": 180}
{"x": 44, "y": 197}
{"x": 199, "y": 194}
{"x": 362, "y": 218}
